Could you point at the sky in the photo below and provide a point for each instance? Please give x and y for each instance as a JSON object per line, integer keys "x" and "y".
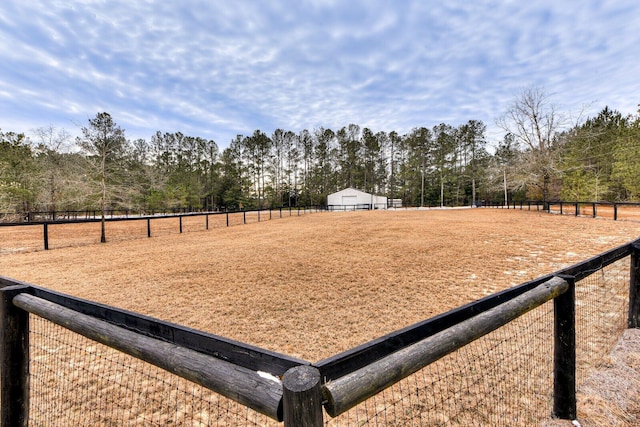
{"x": 216, "y": 69}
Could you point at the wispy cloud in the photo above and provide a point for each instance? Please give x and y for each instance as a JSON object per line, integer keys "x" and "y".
{"x": 218, "y": 69}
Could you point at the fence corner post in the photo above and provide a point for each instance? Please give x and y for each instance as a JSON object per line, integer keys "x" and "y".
{"x": 564, "y": 357}
{"x": 634, "y": 287}
{"x": 302, "y": 397}
{"x": 14, "y": 360}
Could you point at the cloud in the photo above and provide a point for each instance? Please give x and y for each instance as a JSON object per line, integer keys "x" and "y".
{"x": 218, "y": 69}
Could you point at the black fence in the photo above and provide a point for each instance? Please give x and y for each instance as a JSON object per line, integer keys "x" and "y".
{"x": 513, "y": 358}
{"x": 41, "y": 233}
{"x": 610, "y": 210}
{"x": 71, "y": 215}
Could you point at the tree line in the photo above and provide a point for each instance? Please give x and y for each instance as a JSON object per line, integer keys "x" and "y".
{"x": 541, "y": 157}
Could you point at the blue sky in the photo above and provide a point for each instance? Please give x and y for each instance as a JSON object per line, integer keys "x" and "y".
{"x": 216, "y": 69}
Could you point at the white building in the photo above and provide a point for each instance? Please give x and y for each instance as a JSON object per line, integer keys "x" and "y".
{"x": 352, "y": 199}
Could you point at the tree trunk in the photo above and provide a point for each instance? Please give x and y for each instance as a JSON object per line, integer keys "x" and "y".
{"x": 505, "y": 186}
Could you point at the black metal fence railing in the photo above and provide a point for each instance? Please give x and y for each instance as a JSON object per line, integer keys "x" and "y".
{"x": 512, "y": 358}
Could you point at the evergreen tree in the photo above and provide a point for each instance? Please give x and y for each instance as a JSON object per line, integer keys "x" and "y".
{"x": 105, "y": 147}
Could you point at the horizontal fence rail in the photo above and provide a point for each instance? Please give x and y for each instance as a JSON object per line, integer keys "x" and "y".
{"x": 357, "y": 357}
{"x": 152, "y": 224}
{"x": 232, "y": 381}
{"x": 349, "y": 390}
{"x": 611, "y": 210}
{"x": 592, "y": 301}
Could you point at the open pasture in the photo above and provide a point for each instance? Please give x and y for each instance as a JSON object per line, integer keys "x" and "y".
{"x": 316, "y": 285}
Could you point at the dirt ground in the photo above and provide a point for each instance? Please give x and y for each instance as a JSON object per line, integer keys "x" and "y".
{"x": 315, "y": 285}
{"x": 318, "y": 284}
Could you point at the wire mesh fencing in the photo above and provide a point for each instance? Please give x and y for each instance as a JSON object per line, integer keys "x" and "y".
{"x": 76, "y": 381}
{"x": 602, "y": 306}
{"x": 504, "y": 378}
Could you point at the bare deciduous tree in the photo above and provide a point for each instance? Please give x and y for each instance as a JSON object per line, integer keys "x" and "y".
{"x": 534, "y": 122}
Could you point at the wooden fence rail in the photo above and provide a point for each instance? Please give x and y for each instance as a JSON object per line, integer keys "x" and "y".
{"x": 234, "y": 382}
{"x": 344, "y": 393}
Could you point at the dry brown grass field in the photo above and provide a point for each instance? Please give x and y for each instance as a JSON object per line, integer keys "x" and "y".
{"x": 315, "y": 285}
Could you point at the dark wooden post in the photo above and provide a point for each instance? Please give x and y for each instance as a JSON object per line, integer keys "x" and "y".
{"x": 280, "y": 211}
{"x": 564, "y": 369}
{"x": 594, "y": 210}
{"x": 14, "y": 360}
{"x": 180, "y": 218}
{"x": 577, "y": 209}
{"x": 615, "y": 211}
{"x": 227, "y": 213}
{"x": 302, "y": 397}
{"x": 561, "y": 212}
{"x": 259, "y": 210}
{"x": 634, "y": 287}
{"x": 244, "y": 216}
{"x": 269, "y": 214}
{"x": 206, "y": 221}
{"x": 148, "y": 227}
{"x": 45, "y": 233}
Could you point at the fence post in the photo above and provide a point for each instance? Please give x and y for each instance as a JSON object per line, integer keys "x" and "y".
{"x": 14, "y": 360}
{"x": 594, "y": 210}
{"x": 45, "y": 233}
{"x": 206, "y": 221}
{"x": 634, "y": 287}
{"x": 564, "y": 357}
{"x": 615, "y": 211}
{"x": 227, "y": 212}
{"x": 577, "y": 209}
{"x": 148, "y": 227}
{"x": 302, "y": 397}
{"x": 244, "y": 216}
{"x": 180, "y": 218}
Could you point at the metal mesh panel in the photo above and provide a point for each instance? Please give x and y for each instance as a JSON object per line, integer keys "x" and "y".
{"x": 78, "y": 382}
{"x": 504, "y": 378}
{"x": 602, "y": 306}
